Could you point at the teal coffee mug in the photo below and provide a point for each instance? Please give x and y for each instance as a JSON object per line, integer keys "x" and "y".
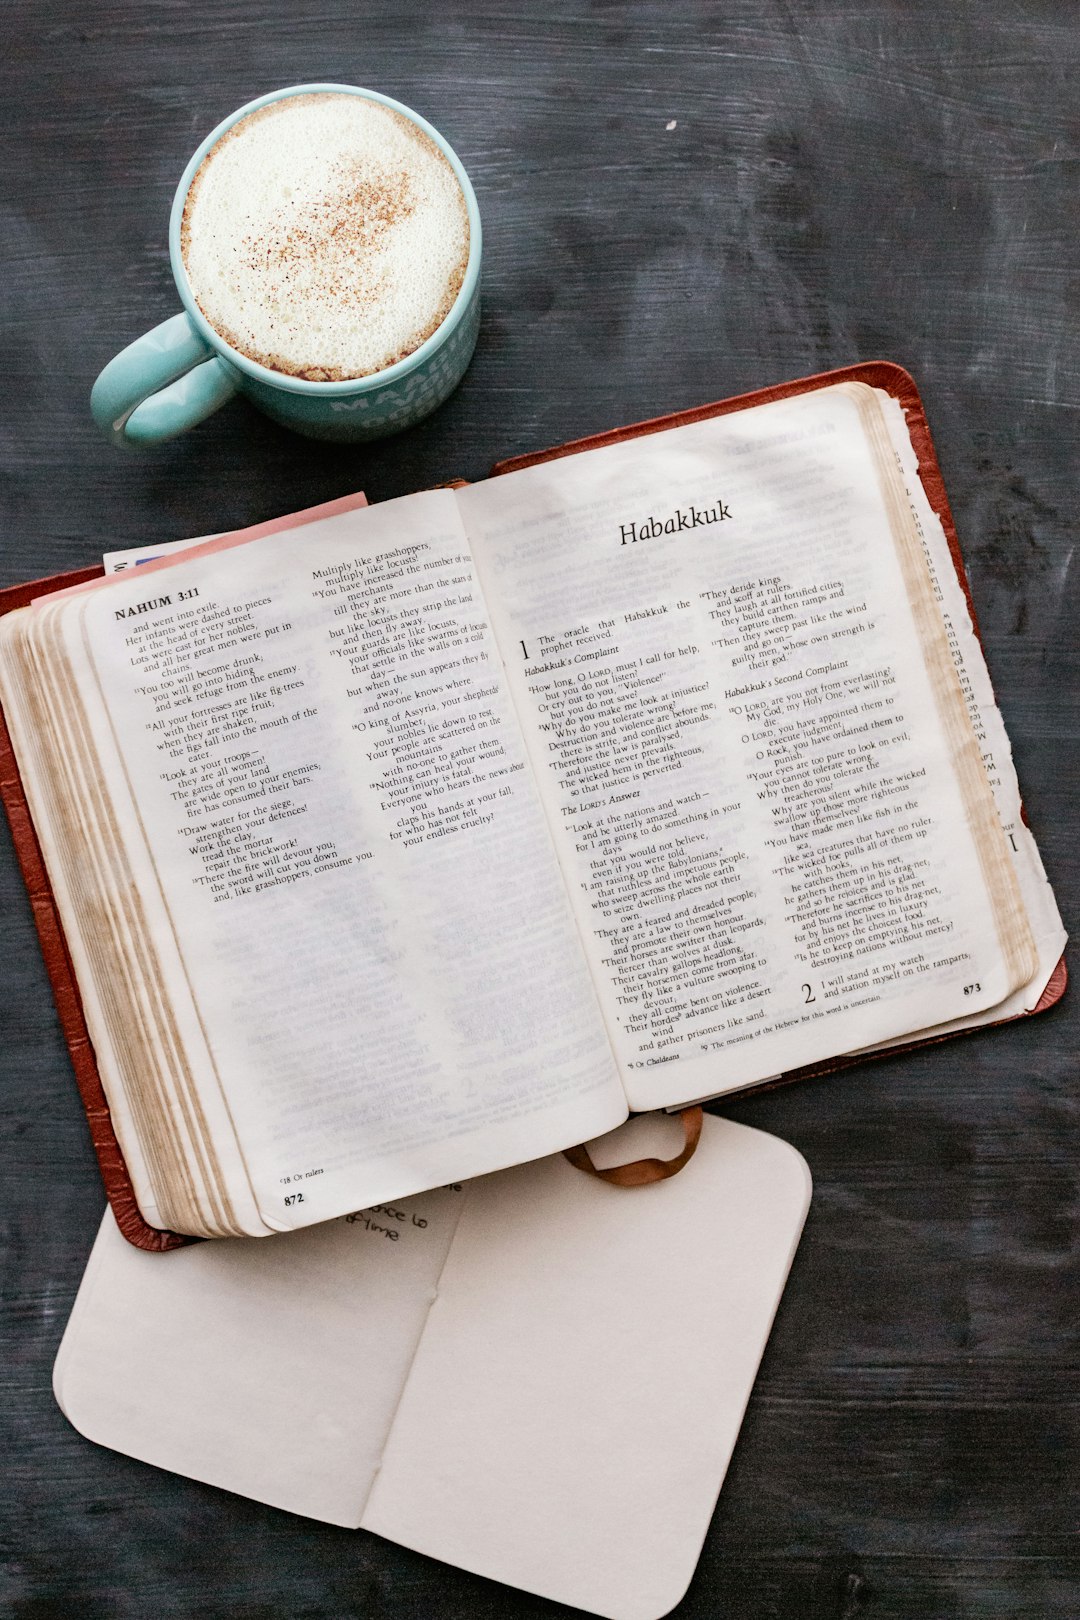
{"x": 178, "y": 374}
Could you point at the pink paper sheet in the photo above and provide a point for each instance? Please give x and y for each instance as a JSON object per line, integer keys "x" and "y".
{"x": 235, "y": 537}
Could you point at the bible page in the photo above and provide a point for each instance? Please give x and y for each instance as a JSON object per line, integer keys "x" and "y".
{"x": 720, "y": 678}
{"x": 354, "y": 890}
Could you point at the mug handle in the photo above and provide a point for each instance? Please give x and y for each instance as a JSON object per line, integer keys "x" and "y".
{"x": 160, "y": 385}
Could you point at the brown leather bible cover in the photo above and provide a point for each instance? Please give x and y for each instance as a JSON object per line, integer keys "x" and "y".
{"x": 879, "y": 374}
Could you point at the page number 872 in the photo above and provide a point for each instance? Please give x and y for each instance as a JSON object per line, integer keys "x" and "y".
{"x": 293, "y": 1198}
{"x": 971, "y": 989}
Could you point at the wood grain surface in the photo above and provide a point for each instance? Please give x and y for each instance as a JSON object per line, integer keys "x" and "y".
{"x": 681, "y": 201}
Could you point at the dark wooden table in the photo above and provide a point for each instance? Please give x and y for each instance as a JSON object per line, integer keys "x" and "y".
{"x": 681, "y": 200}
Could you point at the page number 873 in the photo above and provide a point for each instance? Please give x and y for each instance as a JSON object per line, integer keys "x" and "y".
{"x": 972, "y": 989}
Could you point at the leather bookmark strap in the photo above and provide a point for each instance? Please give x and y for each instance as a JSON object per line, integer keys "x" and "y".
{"x": 641, "y": 1172}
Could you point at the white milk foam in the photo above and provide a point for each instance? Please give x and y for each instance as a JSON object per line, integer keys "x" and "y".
{"x": 325, "y": 236}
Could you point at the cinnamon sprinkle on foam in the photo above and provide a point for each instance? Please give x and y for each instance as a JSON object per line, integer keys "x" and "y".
{"x": 325, "y": 236}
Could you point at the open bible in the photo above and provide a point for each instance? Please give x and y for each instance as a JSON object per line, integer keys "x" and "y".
{"x": 441, "y": 835}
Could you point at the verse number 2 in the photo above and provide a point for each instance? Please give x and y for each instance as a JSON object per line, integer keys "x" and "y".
{"x": 294, "y": 1198}
{"x": 808, "y": 994}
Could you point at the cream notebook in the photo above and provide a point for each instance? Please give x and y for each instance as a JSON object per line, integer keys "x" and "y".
{"x": 536, "y": 1376}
